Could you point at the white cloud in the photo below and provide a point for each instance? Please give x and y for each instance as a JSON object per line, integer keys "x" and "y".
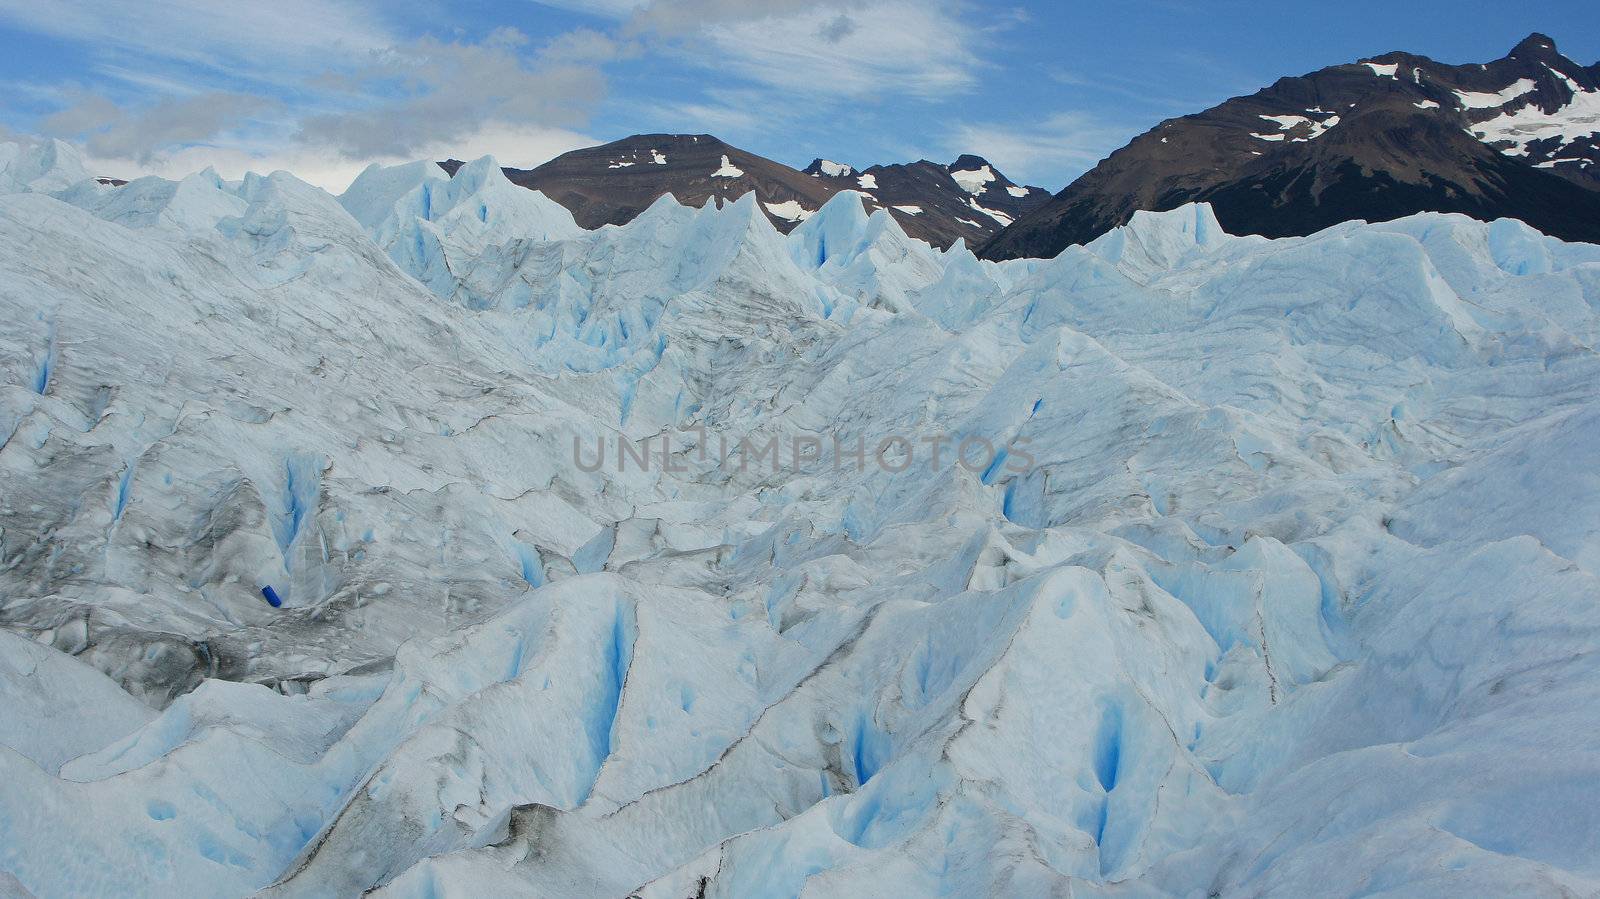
{"x": 518, "y": 146}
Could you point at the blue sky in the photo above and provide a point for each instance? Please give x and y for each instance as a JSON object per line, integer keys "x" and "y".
{"x": 322, "y": 87}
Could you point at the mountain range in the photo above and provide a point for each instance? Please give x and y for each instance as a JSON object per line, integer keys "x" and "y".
{"x": 1375, "y": 139}
{"x": 967, "y": 200}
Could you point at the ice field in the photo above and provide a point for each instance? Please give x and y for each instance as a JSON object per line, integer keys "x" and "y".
{"x": 1297, "y": 592}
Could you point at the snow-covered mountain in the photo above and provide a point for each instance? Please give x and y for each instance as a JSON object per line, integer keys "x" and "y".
{"x": 1376, "y": 140}
{"x": 968, "y": 200}
{"x": 1270, "y": 566}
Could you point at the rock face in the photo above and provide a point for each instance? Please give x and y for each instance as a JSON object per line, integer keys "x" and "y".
{"x": 690, "y": 558}
{"x": 968, "y": 200}
{"x": 1374, "y": 140}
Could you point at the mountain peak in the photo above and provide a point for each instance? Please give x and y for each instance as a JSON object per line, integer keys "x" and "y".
{"x": 968, "y": 161}
{"x": 1535, "y": 45}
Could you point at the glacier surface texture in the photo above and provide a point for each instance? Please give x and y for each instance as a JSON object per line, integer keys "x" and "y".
{"x": 1294, "y": 594}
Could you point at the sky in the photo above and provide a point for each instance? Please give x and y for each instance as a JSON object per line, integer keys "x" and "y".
{"x": 1041, "y": 89}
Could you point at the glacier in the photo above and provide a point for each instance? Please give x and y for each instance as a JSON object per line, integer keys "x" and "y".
{"x": 1296, "y": 594}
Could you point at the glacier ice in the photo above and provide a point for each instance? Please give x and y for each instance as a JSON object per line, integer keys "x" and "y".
{"x": 1296, "y": 597}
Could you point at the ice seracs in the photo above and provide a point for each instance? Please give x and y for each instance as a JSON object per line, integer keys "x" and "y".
{"x": 44, "y": 167}
{"x": 436, "y": 225}
{"x": 1299, "y": 523}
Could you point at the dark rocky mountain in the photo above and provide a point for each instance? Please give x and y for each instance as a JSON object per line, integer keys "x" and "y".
{"x": 610, "y": 184}
{"x": 1374, "y": 140}
{"x": 967, "y": 199}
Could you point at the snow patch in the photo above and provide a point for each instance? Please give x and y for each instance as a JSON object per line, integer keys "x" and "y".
{"x": 1578, "y": 118}
{"x": 995, "y": 214}
{"x": 1315, "y": 128}
{"x": 1471, "y": 100}
{"x": 973, "y": 181}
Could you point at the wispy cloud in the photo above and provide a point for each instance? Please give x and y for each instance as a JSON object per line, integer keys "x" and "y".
{"x": 858, "y": 51}
{"x": 1050, "y": 152}
{"x": 1210, "y": 85}
{"x": 266, "y": 41}
{"x": 835, "y": 48}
